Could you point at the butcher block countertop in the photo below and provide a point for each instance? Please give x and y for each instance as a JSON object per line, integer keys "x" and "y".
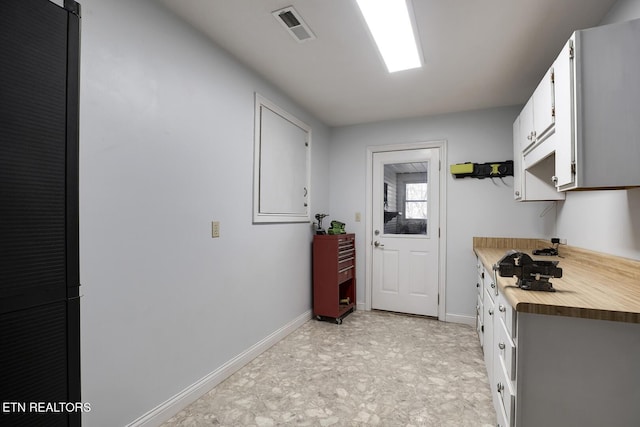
{"x": 593, "y": 285}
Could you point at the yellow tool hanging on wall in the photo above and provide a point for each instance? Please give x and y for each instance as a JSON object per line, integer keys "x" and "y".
{"x": 482, "y": 170}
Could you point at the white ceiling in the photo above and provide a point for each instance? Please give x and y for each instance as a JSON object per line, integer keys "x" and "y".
{"x": 478, "y": 53}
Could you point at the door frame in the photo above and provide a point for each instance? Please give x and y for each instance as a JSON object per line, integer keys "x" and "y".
{"x": 441, "y": 145}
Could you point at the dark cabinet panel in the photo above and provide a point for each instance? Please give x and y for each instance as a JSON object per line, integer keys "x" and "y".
{"x": 39, "y": 267}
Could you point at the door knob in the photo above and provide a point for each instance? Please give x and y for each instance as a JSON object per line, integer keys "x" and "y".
{"x": 377, "y": 244}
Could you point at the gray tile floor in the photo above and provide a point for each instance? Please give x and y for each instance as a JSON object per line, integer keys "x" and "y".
{"x": 375, "y": 369}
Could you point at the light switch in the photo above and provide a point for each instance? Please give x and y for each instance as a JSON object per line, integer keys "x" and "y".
{"x": 215, "y": 229}
{"x": 358, "y": 217}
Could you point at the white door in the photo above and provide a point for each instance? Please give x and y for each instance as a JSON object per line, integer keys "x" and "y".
{"x": 405, "y": 220}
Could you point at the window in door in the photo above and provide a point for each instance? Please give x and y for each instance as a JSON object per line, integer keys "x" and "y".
{"x": 406, "y": 198}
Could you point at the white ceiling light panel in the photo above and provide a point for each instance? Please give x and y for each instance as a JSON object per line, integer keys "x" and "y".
{"x": 391, "y": 24}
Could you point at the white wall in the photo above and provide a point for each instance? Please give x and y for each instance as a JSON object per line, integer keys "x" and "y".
{"x": 166, "y": 147}
{"x": 605, "y": 221}
{"x": 474, "y": 207}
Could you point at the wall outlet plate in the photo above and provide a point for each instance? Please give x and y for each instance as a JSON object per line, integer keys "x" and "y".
{"x": 215, "y": 229}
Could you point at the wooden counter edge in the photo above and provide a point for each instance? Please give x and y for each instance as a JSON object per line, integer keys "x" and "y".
{"x": 548, "y": 309}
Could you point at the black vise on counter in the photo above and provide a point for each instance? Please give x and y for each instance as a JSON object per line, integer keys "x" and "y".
{"x": 532, "y": 275}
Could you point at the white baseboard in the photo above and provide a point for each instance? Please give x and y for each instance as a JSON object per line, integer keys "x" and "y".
{"x": 458, "y": 318}
{"x": 172, "y": 406}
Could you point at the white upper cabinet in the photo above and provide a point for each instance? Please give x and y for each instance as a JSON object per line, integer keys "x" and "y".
{"x": 543, "y": 106}
{"x": 565, "y": 149}
{"x": 533, "y": 161}
{"x": 598, "y": 108}
{"x": 581, "y": 127}
{"x": 537, "y": 117}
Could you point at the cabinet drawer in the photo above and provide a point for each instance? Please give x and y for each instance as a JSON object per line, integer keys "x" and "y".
{"x": 490, "y": 284}
{"x": 507, "y": 315}
{"x": 480, "y": 279}
{"x": 345, "y": 273}
{"x": 505, "y": 396}
{"x": 501, "y": 417}
{"x": 346, "y": 263}
{"x": 480, "y": 320}
{"x": 480, "y": 309}
{"x": 505, "y": 350}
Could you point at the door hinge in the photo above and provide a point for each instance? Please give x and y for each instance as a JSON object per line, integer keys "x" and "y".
{"x": 573, "y": 167}
{"x": 571, "y": 52}
{"x": 553, "y": 112}
{"x": 438, "y": 232}
{"x": 553, "y": 76}
{"x": 438, "y": 299}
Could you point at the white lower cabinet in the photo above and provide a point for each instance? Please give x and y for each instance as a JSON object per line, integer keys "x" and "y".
{"x": 557, "y": 371}
{"x": 497, "y": 341}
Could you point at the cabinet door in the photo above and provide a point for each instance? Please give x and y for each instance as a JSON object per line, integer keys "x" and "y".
{"x": 488, "y": 335}
{"x": 565, "y": 119}
{"x": 526, "y": 125}
{"x": 517, "y": 161}
{"x": 543, "y": 106}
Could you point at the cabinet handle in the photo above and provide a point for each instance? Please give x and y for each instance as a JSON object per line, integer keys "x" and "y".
{"x": 502, "y": 308}
{"x": 500, "y": 387}
{"x": 518, "y": 193}
{"x": 501, "y": 346}
{"x": 493, "y": 284}
{"x": 491, "y": 312}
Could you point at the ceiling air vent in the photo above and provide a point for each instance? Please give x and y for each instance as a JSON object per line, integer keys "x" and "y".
{"x": 294, "y": 24}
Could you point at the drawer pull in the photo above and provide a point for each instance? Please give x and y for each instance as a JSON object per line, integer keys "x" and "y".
{"x": 491, "y": 312}
{"x": 501, "y": 346}
{"x": 500, "y": 388}
{"x": 493, "y": 284}
{"x": 345, "y": 269}
{"x": 502, "y": 308}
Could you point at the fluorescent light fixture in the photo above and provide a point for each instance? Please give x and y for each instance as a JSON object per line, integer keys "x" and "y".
{"x": 391, "y": 27}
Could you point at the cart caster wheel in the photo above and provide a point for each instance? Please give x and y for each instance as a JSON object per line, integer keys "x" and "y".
{"x": 319, "y": 318}
{"x": 339, "y": 321}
